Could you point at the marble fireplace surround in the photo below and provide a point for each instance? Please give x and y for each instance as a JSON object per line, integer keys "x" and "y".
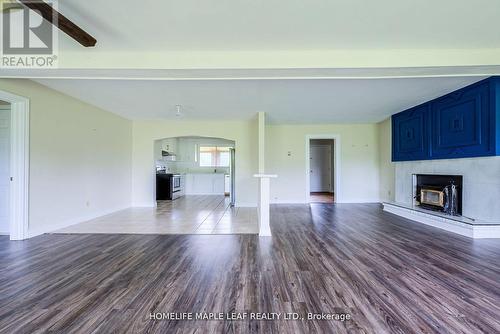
{"x": 481, "y": 183}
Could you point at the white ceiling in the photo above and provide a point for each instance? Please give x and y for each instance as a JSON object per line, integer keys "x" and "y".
{"x": 284, "y": 101}
{"x": 154, "y": 25}
{"x": 312, "y": 58}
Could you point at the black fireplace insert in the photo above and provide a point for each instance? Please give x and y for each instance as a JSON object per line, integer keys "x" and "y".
{"x": 439, "y": 193}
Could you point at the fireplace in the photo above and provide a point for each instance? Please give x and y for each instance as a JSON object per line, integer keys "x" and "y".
{"x": 439, "y": 192}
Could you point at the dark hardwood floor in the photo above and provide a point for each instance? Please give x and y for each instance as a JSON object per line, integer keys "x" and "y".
{"x": 391, "y": 276}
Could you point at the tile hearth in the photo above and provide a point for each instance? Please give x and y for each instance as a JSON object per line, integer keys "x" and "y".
{"x": 465, "y": 226}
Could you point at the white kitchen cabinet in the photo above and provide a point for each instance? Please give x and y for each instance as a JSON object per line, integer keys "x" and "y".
{"x": 227, "y": 184}
{"x": 205, "y": 184}
{"x": 218, "y": 184}
{"x": 170, "y": 145}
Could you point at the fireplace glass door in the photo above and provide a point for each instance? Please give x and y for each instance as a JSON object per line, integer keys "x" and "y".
{"x": 432, "y": 197}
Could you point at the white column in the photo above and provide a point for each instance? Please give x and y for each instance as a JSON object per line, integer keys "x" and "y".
{"x": 261, "y": 118}
{"x": 263, "y": 203}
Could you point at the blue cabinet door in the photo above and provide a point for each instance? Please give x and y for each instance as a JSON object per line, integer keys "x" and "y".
{"x": 410, "y": 134}
{"x": 461, "y": 124}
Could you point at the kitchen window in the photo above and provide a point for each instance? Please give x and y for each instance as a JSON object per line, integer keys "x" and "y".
{"x": 214, "y": 156}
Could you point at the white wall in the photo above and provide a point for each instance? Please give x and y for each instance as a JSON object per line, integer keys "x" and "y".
{"x": 358, "y": 165}
{"x": 80, "y": 158}
{"x": 243, "y": 133}
{"x": 386, "y": 166}
{"x": 4, "y": 167}
{"x": 481, "y": 183}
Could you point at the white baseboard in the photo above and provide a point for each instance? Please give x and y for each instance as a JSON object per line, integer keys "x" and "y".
{"x": 288, "y": 202}
{"x": 471, "y": 231}
{"x": 33, "y": 232}
{"x": 4, "y": 233}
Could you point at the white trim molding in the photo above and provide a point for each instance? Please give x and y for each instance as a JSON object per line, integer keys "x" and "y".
{"x": 336, "y": 166}
{"x": 19, "y": 165}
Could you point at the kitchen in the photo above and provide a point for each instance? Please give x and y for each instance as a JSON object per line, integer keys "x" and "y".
{"x": 193, "y": 192}
{"x": 193, "y": 166}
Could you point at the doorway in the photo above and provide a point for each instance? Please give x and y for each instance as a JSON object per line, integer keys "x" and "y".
{"x": 5, "y": 168}
{"x": 321, "y": 170}
{"x": 203, "y": 165}
{"x": 18, "y": 162}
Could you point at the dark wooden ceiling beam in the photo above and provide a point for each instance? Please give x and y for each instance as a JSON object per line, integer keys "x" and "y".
{"x": 61, "y": 22}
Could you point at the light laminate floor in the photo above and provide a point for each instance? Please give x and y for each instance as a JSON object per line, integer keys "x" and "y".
{"x": 195, "y": 214}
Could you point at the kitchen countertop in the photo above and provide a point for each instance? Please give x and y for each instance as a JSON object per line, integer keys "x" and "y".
{"x": 206, "y": 173}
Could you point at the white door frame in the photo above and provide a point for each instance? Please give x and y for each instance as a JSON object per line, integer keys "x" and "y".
{"x": 19, "y": 164}
{"x": 336, "y": 165}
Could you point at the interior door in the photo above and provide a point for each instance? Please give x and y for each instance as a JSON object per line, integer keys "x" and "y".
{"x": 4, "y": 169}
{"x": 320, "y": 168}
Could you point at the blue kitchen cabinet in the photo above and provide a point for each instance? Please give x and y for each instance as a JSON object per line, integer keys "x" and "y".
{"x": 410, "y": 134}
{"x": 461, "y": 124}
